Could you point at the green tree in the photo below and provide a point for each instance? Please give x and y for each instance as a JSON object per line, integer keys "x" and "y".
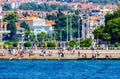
{"x": 24, "y": 25}
{"x": 12, "y": 28}
{"x": 51, "y": 44}
{"x": 48, "y": 37}
{"x": 73, "y": 43}
{"x": 104, "y": 1}
{"x": 32, "y": 36}
{"x": 86, "y": 42}
{"x": 27, "y": 44}
{"x": 11, "y": 17}
{"x": 98, "y": 32}
{"x": 41, "y": 36}
{"x": 27, "y": 29}
{"x": 29, "y": 6}
{"x": 7, "y": 6}
{"x": 7, "y": 42}
{"x": 116, "y": 44}
{"x": 106, "y": 37}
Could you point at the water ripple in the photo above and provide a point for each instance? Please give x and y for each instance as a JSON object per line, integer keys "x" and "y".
{"x": 54, "y": 69}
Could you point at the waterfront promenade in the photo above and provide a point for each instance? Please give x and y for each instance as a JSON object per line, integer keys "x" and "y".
{"x": 51, "y": 54}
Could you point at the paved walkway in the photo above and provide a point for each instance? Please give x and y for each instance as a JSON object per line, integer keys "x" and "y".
{"x": 84, "y": 54}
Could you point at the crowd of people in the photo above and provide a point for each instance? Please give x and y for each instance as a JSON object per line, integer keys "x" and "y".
{"x": 20, "y": 53}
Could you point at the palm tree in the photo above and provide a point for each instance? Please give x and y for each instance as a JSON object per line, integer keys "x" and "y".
{"x": 98, "y": 32}
{"x": 106, "y": 37}
{"x": 41, "y": 35}
{"x": 48, "y": 37}
{"x": 32, "y": 36}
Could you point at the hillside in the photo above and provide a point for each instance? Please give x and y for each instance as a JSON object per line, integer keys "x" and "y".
{"x": 104, "y": 1}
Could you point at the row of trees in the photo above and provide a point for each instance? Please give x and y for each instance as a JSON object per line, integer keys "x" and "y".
{"x": 35, "y": 6}
{"x": 62, "y": 21}
{"x": 104, "y": 1}
{"x": 8, "y": 44}
{"x": 73, "y": 43}
{"x": 111, "y": 31}
{"x": 83, "y": 43}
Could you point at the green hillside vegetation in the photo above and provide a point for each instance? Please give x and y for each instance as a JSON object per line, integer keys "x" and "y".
{"x": 111, "y": 31}
{"x": 104, "y": 1}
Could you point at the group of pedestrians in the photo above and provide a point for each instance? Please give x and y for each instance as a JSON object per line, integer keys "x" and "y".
{"x": 44, "y": 53}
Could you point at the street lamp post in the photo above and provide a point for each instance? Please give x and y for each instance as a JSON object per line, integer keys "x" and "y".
{"x": 22, "y": 38}
{"x": 79, "y": 20}
{"x": 67, "y": 27}
{"x": 70, "y": 27}
{"x": 61, "y": 35}
{"x": 78, "y": 31}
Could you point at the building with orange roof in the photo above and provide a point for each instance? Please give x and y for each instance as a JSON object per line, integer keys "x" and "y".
{"x": 38, "y": 25}
{"x": 32, "y": 21}
{"x": 49, "y": 22}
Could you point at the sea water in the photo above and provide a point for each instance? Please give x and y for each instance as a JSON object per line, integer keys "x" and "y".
{"x": 59, "y": 69}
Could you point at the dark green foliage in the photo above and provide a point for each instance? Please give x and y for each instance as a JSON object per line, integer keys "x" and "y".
{"x": 42, "y": 7}
{"x": 61, "y": 24}
{"x": 113, "y": 27}
{"x": 27, "y": 30}
{"x": 73, "y": 43}
{"x": 111, "y": 30}
{"x": 98, "y": 32}
{"x": 11, "y": 17}
{"x": 32, "y": 37}
{"x": 27, "y": 44}
{"x": 104, "y": 1}
{"x": 28, "y": 6}
{"x": 41, "y": 36}
{"x": 51, "y": 44}
{"x": 7, "y": 42}
{"x": 116, "y": 44}
{"x": 86, "y": 42}
{"x": 15, "y": 44}
{"x": 24, "y": 25}
{"x": 6, "y": 6}
{"x": 12, "y": 28}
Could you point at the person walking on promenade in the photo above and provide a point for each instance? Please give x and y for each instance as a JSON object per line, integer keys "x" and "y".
{"x": 92, "y": 48}
{"x": 78, "y": 54}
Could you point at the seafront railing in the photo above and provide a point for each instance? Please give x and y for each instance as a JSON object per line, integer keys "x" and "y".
{"x": 80, "y": 48}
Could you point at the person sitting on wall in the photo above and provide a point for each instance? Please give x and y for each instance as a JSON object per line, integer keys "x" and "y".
{"x": 106, "y": 56}
{"x": 97, "y": 53}
{"x": 49, "y": 53}
{"x": 62, "y": 54}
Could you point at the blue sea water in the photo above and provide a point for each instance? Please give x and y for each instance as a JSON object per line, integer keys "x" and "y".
{"x": 59, "y": 69}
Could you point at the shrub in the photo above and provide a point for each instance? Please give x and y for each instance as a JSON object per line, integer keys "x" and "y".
{"x": 86, "y": 43}
{"x": 73, "y": 43}
{"x": 6, "y": 46}
{"x": 116, "y": 44}
{"x": 51, "y": 44}
{"x": 15, "y": 44}
{"x": 7, "y": 42}
{"x": 27, "y": 44}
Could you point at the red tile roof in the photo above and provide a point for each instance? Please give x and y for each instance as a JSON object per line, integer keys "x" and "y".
{"x": 49, "y": 22}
